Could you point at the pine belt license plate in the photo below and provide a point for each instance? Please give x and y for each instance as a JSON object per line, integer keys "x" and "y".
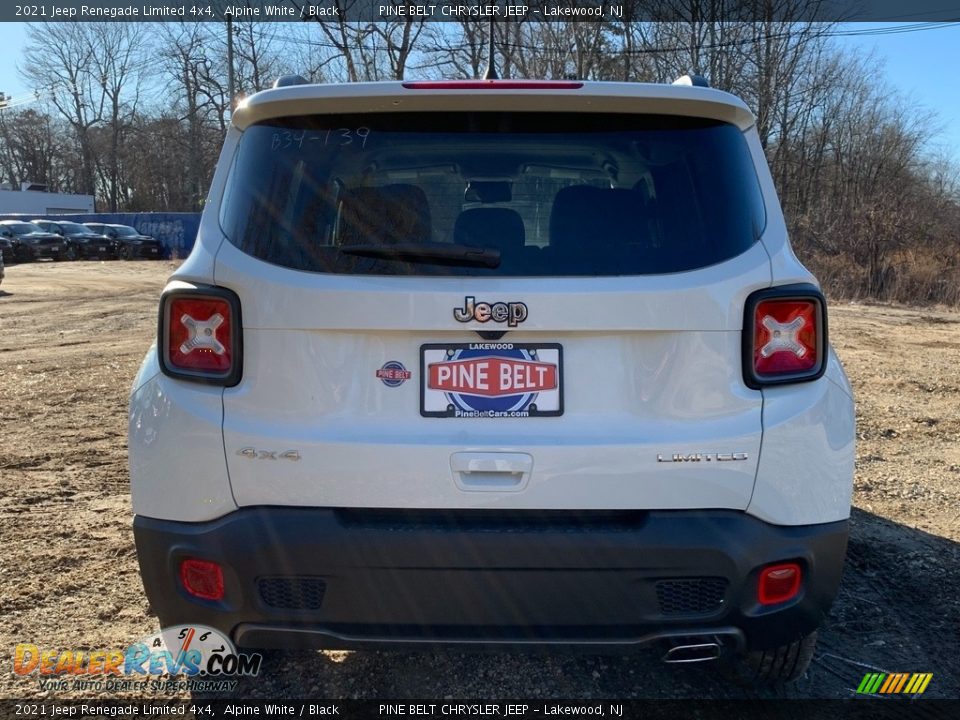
{"x": 491, "y": 380}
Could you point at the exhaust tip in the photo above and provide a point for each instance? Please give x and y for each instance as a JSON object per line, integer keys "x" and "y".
{"x": 700, "y": 652}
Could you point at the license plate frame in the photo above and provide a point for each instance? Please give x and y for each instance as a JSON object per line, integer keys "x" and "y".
{"x": 535, "y": 368}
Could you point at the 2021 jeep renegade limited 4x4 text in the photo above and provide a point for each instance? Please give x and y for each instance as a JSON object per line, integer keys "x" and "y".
{"x": 501, "y": 362}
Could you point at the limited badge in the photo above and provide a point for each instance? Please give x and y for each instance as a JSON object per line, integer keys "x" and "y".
{"x": 393, "y": 373}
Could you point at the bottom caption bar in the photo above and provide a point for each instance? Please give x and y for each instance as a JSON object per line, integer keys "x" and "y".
{"x": 702, "y": 709}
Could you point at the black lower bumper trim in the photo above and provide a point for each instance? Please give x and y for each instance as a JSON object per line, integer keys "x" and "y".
{"x": 729, "y": 639}
{"x": 315, "y": 577}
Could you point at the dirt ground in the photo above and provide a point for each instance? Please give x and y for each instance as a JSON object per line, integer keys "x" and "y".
{"x": 72, "y": 337}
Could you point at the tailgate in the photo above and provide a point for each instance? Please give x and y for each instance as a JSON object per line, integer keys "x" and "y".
{"x": 642, "y": 404}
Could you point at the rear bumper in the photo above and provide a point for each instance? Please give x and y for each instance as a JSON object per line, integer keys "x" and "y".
{"x": 307, "y": 577}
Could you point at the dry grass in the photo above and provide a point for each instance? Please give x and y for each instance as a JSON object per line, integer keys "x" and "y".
{"x": 910, "y": 277}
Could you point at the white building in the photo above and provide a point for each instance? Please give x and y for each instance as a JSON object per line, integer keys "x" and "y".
{"x": 38, "y": 203}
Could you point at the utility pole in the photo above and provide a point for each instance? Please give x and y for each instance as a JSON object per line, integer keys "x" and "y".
{"x": 230, "y": 83}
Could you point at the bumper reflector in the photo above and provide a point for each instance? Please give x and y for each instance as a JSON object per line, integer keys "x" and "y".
{"x": 779, "y": 583}
{"x": 202, "y": 579}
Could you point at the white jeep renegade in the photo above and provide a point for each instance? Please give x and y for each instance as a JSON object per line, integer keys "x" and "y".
{"x": 503, "y": 362}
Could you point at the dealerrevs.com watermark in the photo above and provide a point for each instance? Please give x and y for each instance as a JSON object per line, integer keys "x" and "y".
{"x": 183, "y": 658}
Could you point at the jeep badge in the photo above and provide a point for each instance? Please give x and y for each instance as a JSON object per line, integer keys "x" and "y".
{"x": 512, "y": 313}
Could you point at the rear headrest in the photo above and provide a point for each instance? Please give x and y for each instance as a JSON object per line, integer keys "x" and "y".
{"x": 499, "y": 228}
{"x": 573, "y": 215}
{"x": 384, "y": 215}
{"x": 585, "y": 217}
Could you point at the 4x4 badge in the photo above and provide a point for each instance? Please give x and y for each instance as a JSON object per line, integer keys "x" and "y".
{"x": 512, "y": 313}
{"x": 254, "y": 454}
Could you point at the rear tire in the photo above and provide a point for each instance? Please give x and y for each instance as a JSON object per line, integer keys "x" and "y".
{"x": 772, "y": 667}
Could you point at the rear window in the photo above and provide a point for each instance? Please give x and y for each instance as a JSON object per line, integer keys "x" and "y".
{"x": 73, "y": 228}
{"x": 510, "y": 194}
{"x": 23, "y": 228}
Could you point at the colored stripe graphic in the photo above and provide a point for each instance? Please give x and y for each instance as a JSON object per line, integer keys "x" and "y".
{"x": 890, "y": 682}
{"x": 894, "y": 683}
{"x": 870, "y": 683}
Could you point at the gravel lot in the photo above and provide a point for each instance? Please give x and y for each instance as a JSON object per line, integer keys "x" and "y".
{"x": 71, "y": 339}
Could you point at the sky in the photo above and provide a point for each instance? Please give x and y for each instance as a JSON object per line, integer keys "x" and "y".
{"x": 917, "y": 64}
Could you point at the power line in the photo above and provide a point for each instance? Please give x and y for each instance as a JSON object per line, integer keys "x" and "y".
{"x": 894, "y": 29}
{"x": 888, "y": 30}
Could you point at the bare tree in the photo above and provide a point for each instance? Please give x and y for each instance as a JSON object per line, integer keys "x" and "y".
{"x": 257, "y": 56}
{"x": 90, "y": 74}
{"x": 348, "y": 39}
{"x": 185, "y": 50}
{"x": 398, "y": 40}
{"x": 30, "y": 149}
{"x": 118, "y": 60}
{"x": 457, "y": 49}
{"x": 57, "y": 61}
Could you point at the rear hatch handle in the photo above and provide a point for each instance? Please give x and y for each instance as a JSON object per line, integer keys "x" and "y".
{"x": 491, "y": 471}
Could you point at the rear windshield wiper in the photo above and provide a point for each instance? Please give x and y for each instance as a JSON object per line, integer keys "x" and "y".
{"x": 437, "y": 254}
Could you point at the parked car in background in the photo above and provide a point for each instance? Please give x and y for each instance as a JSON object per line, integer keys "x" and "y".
{"x": 30, "y": 242}
{"x": 129, "y": 243}
{"x": 4, "y": 245}
{"x": 81, "y": 241}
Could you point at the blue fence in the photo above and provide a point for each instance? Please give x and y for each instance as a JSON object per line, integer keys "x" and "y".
{"x": 177, "y": 231}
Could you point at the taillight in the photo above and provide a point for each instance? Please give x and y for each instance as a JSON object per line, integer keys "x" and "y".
{"x": 784, "y": 336}
{"x": 199, "y": 335}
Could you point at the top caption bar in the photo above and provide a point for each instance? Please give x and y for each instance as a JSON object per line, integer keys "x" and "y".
{"x": 335, "y": 11}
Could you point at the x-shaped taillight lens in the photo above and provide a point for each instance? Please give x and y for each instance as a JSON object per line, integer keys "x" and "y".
{"x": 787, "y": 338}
{"x": 200, "y": 332}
